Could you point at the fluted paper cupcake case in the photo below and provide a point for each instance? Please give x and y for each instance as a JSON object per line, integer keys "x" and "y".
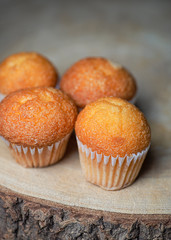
{"x": 108, "y": 172}
{"x": 39, "y": 156}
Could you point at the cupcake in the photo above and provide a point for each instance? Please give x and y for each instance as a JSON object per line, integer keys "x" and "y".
{"x": 113, "y": 139}
{"x": 92, "y": 78}
{"x": 36, "y": 124}
{"x": 24, "y": 70}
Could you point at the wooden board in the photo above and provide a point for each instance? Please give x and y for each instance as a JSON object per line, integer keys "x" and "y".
{"x": 57, "y": 203}
{"x": 24, "y": 217}
{"x": 64, "y": 183}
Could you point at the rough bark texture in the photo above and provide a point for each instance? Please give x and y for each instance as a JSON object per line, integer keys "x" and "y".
{"x": 22, "y": 217}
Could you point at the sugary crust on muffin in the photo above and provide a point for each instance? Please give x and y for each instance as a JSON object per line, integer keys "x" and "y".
{"x": 92, "y": 78}
{"x": 113, "y": 126}
{"x": 26, "y": 69}
{"x": 36, "y": 116}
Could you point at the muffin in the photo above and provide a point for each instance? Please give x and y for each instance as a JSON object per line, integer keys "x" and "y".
{"x": 24, "y": 70}
{"x": 92, "y": 78}
{"x": 36, "y": 124}
{"x": 113, "y": 139}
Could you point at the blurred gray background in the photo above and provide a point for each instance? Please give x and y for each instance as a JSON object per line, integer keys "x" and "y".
{"x": 134, "y": 33}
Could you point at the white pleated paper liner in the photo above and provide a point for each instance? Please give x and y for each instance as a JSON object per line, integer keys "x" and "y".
{"x": 108, "y": 172}
{"x": 39, "y": 157}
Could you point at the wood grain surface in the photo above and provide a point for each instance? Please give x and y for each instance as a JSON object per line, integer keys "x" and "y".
{"x": 64, "y": 183}
{"x": 24, "y": 217}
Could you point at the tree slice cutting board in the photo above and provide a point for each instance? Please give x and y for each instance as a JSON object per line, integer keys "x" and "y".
{"x": 59, "y": 195}
{"x": 64, "y": 183}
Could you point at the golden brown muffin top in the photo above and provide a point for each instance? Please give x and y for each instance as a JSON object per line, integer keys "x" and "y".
{"x": 92, "y": 78}
{"x": 113, "y": 126}
{"x": 24, "y": 70}
{"x": 36, "y": 116}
